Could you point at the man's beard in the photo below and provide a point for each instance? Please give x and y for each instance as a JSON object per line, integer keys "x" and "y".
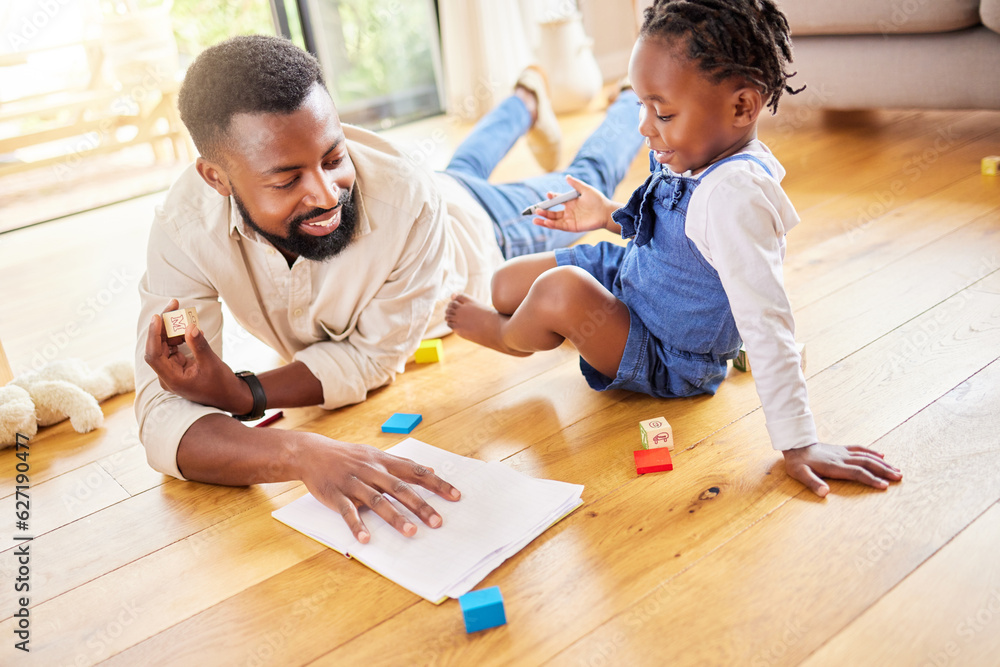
{"x": 316, "y": 248}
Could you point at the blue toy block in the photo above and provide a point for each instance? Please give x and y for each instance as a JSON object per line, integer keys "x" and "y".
{"x": 483, "y": 609}
{"x": 401, "y": 423}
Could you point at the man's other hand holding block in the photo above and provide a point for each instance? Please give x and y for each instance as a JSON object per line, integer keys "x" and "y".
{"x": 176, "y": 322}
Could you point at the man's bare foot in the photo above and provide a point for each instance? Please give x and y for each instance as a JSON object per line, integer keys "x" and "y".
{"x": 480, "y": 324}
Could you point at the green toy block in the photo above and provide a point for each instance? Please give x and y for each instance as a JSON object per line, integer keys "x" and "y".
{"x": 741, "y": 362}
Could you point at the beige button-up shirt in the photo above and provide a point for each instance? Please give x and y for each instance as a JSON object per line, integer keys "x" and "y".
{"x": 353, "y": 320}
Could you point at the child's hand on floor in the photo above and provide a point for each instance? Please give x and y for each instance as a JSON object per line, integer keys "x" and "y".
{"x": 809, "y": 464}
{"x": 590, "y": 211}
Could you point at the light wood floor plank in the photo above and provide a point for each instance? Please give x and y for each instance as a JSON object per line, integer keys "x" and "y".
{"x": 297, "y": 614}
{"x": 942, "y": 347}
{"x": 244, "y": 548}
{"x": 839, "y": 200}
{"x": 128, "y": 531}
{"x": 62, "y": 500}
{"x": 821, "y": 269}
{"x": 58, "y": 449}
{"x": 872, "y": 306}
{"x": 953, "y": 598}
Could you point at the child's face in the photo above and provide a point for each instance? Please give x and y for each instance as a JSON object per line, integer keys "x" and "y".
{"x": 688, "y": 121}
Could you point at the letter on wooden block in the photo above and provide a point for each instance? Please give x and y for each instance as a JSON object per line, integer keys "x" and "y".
{"x": 176, "y": 322}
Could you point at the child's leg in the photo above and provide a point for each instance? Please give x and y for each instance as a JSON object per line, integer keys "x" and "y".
{"x": 563, "y": 303}
{"x": 512, "y": 281}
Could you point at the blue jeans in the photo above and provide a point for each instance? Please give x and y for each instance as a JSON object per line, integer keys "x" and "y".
{"x": 602, "y": 162}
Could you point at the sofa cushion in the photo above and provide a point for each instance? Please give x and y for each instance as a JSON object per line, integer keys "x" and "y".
{"x": 989, "y": 11}
{"x": 885, "y": 17}
{"x": 919, "y": 71}
{"x": 881, "y": 17}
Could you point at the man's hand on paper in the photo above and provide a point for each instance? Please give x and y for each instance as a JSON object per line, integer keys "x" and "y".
{"x": 345, "y": 476}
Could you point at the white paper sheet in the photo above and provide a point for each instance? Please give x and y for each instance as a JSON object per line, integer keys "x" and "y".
{"x": 500, "y": 512}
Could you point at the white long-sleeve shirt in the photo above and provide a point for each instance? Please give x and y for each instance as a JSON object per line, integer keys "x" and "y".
{"x": 738, "y": 218}
{"x": 352, "y": 320}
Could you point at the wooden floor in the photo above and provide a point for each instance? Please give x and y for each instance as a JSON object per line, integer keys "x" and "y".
{"x": 723, "y": 561}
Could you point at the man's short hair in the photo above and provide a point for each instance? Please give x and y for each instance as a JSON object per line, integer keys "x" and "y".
{"x": 246, "y": 74}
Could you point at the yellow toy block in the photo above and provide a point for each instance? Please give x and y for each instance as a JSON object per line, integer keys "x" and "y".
{"x": 430, "y": 351}
{"x": 657, "y": 433}
{"x": 991, "y": 165}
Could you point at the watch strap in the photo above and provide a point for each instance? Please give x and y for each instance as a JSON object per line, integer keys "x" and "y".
{"x": 259, "y": 399}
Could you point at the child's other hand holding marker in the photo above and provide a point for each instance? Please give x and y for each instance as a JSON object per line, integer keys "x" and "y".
{"x": 590, "y": 211}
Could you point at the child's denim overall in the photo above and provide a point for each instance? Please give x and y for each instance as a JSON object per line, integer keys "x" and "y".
{"x": 682, "y": 329}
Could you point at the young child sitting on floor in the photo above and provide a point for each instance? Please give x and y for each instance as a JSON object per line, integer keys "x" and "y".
{"x": 702, "y": 268}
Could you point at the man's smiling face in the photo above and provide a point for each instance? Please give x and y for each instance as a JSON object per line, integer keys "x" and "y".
{"x": 291, "y": 177}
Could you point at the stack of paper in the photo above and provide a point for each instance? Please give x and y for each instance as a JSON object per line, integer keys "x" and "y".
{"x": 500, "y": 512}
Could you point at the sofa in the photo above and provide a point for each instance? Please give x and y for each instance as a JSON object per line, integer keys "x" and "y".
{"x": 859, "y": 54}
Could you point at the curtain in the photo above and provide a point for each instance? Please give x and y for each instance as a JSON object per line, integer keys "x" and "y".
{"x": 485, "y": 45}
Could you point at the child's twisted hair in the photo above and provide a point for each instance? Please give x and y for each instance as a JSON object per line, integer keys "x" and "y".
{"x": 730, "y": 38}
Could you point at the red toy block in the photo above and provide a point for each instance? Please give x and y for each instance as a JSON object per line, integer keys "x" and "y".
{"x": 653, "y": 460}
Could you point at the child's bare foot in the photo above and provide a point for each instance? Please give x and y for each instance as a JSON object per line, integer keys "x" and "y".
{"x": 474, "y": 321}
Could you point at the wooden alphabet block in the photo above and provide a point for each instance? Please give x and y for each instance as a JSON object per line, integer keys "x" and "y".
{"x": 430, "y": 351}
{"x": 991, "y": 165}
{"x": 176, "y": 322}
{"x": 652, "y": 460}
{"x": 742, "y": 362}
{"x": 656, "y": 433}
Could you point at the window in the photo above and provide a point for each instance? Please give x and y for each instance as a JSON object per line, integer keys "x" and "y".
{"x": 381, "y": 58}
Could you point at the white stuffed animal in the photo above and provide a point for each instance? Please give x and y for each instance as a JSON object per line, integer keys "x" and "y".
{"x": 59, "y": 390}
